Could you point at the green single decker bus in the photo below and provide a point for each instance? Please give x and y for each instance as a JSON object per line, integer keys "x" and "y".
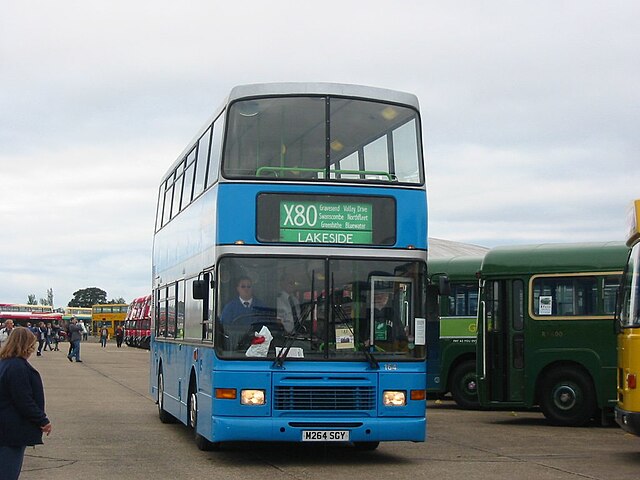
{"x": 546, "y": 329}
{"x": 452, "y": 365}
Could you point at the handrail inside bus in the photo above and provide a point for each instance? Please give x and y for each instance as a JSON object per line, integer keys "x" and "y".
{"x": 483, "y": 315}
{"x": 264, "y": 171}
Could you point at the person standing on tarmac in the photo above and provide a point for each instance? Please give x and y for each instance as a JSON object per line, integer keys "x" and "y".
{"x": 104, "y": 336}
{"x": 5, "y": 331}
{"x": 119, "y": 335}
{"x": 22, "y": 416}
{"x": 75, "y": 334}
{"x": 40, "y": 332}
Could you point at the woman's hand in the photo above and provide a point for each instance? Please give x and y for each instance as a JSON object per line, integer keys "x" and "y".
{"x": 46, "y": 429}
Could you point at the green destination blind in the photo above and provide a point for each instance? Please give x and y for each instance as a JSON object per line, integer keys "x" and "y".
{"x": 342, "y": 223}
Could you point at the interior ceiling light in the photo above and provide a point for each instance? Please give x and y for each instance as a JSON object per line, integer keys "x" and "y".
{"x": 336, "y": 145}
{"x": 389, "y": 113}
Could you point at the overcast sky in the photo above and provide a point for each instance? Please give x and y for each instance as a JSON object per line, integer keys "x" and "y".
{"x": 530, "y": 115}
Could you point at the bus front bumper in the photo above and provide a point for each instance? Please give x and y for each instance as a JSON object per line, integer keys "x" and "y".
{"x": 232, "y": 429}
{"x": 628, "y": 421}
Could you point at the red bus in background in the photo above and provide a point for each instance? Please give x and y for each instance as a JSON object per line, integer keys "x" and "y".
{"x": 23, "y": 307}
{"x": 20, "y": 319}
{"x": 137, "y": 324}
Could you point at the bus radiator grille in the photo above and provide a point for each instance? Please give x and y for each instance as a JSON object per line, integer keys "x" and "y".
{"x": 324, "y": 398}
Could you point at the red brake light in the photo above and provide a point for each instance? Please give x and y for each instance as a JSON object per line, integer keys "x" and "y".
{"x": 631, "y": 380}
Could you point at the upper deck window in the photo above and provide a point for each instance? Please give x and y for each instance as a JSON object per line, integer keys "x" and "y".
{"x": 320, "y": 138}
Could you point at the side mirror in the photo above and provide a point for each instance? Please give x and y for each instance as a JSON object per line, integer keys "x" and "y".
{"x": 444, "y": 286}
{"x": 199, "y": 289}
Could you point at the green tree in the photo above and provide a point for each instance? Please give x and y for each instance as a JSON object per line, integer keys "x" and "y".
{"x": 86, "y": 297}
{"x": 49, "y": 299}
{"x": 31, "y": 299}
{"x": 117, "y": 300}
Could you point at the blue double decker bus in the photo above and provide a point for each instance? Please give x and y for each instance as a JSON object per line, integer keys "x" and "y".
{"x": 289, "y": 270}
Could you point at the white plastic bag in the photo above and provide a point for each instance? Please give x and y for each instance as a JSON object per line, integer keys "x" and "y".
{"x": 260, "y": 343}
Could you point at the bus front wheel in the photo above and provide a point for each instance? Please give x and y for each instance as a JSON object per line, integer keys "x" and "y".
{"x": 464, "y": 385}
{"x": 567, "y": 397}
{"x": 163, "y": 415}
{"x": 201, "y": 442}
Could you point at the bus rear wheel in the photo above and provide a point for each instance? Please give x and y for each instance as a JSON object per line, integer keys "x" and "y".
{"x": 567, "y": 397}
{"x": 192, "y": 421}
{"x": 464, "y": 385}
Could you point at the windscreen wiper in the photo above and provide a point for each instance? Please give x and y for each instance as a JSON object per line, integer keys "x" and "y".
{"x": 284, "y": 351}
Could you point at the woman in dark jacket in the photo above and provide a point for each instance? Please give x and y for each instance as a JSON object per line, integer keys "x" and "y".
{"x": 22, "y": 416}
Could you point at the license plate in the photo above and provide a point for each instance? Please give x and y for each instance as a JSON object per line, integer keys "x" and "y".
{"x": 325, "y": 435}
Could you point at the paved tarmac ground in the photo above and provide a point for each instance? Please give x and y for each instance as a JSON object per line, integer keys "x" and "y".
{"x": 105, "y": 426}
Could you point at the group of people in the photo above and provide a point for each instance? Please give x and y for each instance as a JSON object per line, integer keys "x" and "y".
{"x": 104, "y": 336}
{"x": 23, "y": 420}
{"x": 49, "y": 336}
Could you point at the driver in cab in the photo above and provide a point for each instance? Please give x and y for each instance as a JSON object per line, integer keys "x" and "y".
{"x": 242, "y": 315}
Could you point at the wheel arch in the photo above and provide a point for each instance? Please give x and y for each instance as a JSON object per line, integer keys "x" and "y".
{"x": 557, "y": 365}
{"x": 465, "y": 357}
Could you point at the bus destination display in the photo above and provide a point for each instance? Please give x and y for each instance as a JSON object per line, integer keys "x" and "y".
{"x": 326, "y": 222}
{"x": 326, "y": 219}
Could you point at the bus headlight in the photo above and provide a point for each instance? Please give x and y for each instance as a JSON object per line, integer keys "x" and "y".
{"x": 394, "y": 398}
{"x": 252, "y": 397}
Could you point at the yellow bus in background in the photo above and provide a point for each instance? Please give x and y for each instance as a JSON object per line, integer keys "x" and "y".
{"x": 628, "y": 408}
{"x": 81, "y": 313}
{"x": 109, "y": 315}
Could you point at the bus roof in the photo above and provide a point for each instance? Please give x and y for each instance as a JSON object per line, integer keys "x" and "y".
{"x": 461, "y": 267}
{"x": 298, "y": 88}
{"x": 555, "y": 258}
{"x": 321, "y": 88}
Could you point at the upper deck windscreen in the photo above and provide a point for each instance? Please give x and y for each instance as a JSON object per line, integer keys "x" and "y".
{"x": 316, "y": 138}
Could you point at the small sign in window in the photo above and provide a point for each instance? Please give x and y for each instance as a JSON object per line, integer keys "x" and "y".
{"x": 344, "y": 338}
{"x": 545, "y": 305}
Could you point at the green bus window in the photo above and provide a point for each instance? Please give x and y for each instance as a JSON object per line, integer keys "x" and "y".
{"x": 610, "y": 294}
{"x": 494, "y": 313}
{"x": 518, "y": 304}
{"x": 463, "y": 301}
{"x": 565, "y": 296}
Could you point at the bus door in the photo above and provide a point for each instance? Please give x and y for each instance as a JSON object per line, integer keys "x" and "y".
{"x": 504, "y": 340}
